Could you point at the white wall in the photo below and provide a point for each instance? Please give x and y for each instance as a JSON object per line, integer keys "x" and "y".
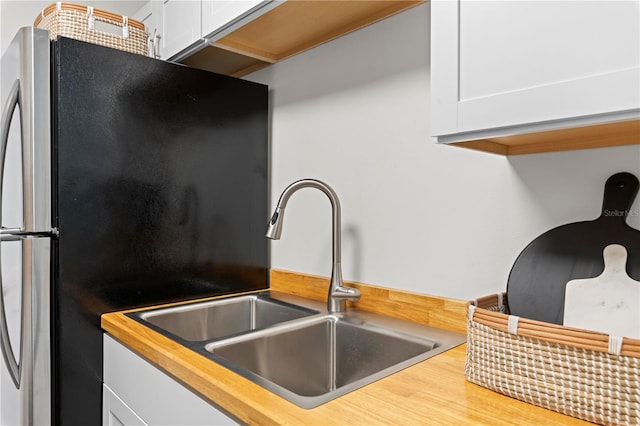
{"x": 15, "y": 14}
{"x": 416, "y": 215}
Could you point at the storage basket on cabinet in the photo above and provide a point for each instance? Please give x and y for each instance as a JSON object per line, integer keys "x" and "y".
{"x": 79, "y": 22}
{"x": 581, "y": 373}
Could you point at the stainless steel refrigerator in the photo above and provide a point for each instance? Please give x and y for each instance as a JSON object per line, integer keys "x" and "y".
{"x": 126, "y": 182}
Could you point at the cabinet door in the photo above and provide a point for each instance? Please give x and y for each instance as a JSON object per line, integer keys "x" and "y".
{"x": 115, "y": 412}
{"x": 499, "y": 64}
{"x": 181, "y": 26}
{"x": 151, "y": 15}
{"x": 219, "y": 14}
{"x": 147, "y": 17}
{"x": 154, "y": 398}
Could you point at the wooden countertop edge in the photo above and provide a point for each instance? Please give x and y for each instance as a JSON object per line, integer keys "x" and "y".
{"x": 431, "y": 392}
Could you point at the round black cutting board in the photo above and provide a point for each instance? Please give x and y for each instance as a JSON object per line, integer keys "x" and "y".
{"x": 540, "y": 274}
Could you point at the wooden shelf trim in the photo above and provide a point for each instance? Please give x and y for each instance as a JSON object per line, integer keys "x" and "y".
{"x": 596, "y": 136}
{"x": 245, "y": 50}
{"x": 299, "y": 25}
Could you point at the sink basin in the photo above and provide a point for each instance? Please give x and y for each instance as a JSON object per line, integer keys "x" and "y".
{"x": 293, "y": 347}
{"x": 224, "y": 317}
{"x": 316, "y": 359}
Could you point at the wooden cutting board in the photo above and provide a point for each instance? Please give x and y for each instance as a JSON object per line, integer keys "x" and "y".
{"x": 609, "y": 303}
{"x": 536, "y": 285}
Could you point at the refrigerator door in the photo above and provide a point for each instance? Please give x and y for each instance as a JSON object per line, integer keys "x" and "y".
{"x": 25, "y": 204}
{"x": 160, "y": 195}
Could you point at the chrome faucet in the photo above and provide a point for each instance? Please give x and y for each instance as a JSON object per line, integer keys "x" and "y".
{"x": 338, "y": 292}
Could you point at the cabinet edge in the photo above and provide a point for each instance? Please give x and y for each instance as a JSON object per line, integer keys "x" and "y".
{"x": 573, "y": 134}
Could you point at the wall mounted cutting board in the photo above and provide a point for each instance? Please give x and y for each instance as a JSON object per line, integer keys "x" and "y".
{"x": 609, "y": 303}
{"x": 536, "y": 285}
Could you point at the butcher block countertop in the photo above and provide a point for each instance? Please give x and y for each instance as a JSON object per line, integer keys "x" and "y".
{"x": 432, "y": 392}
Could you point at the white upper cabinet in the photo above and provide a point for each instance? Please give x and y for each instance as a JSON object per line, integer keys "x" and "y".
{"x": 237, "y": 37}
{"x": 511, "y": 67}
{"x": 218, "y": 15}
{"x": 181, "y": 26}
{"x": 150, "y": 15}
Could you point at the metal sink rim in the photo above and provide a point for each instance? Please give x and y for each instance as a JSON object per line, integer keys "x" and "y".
{"x": 277, "y": 298}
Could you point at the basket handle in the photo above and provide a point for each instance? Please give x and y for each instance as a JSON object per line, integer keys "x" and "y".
{"x": 91, "y": 19}
{"x": 91, "y": 23}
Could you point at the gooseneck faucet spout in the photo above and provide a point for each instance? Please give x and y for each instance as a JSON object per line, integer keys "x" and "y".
{"x": 338, "y": 292}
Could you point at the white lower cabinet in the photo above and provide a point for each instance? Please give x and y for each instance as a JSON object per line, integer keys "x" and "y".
{"x": 137, "y": 393}
{"x": 115, "y": 412}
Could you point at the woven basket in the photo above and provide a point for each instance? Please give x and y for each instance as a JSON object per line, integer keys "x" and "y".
{"x": 78, "y": 22}
{"x": 584, "y": 374}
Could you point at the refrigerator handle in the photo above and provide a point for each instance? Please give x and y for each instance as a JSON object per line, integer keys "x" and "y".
{"x": 13, "y": 365}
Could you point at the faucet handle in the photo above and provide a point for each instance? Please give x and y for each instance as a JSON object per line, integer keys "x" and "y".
{"x": 346, "y": 293}
{"x": 338, "y": 296}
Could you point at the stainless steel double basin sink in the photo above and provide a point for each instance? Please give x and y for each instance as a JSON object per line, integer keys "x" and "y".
{"x": 293, "y": 347}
